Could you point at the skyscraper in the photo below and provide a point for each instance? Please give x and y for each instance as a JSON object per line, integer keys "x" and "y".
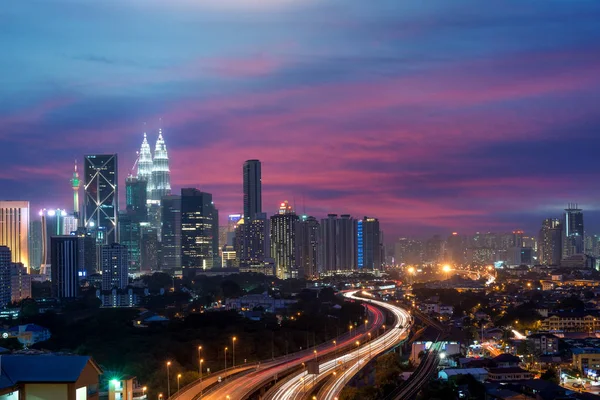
{"x": 20, "y": 282}
{"x": 283, "y": 242}
{"x": 573, "y": 233}
{"x": 130, "y": 237}
{"x": 551, "y": 242}
{"x": 144, "y": 172}
{"x": 14, "y": 230}
{"x": 339, "y": 243}
{"x": 149, "y": 247}
{"x": 101, "y": 196}
{"x": 307, "y": 246}
{"x": 115, "y": 265}
{"x": 455, "y": 249}
{"x": 5, "y": 279}
{"x": 75, "y": 185}
{"x": 327, "y": 246}
{"x": 346, "y": 243}
{"x": 52, "y": 225}
{"x": 199, "y": 230}
{"x": 161, "y": 175}
{"x": 65, "y": 267}
{"x": 259, "y": 243}
{"x": 370, "y": 247}
{"x": 252, "y": 189}
{"x": 171, "y": 232}
{"x": 135, "y": 198}
{"x": 35, "y": 244}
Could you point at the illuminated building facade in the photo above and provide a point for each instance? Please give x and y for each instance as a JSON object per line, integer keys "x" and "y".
{"x": 307, "y": 246}
{"x": 199, "y": 230}
{"x": 135, "y": 198}
{"x": 75, "y": 185}
{"x": 252, "y": 189}
{"x": 573, "y": 233}
{"x": 130, "y": 237}
{"x": 65, "y": 267}
{"x": 171, "y": 233}
{"x": 35, "y": 244}
{"x": 161, "y": 176}
{"x": 101, "y": 196}
{"x": 283, "y": 242}
{"x": 5, "y": 276}
{"x": 339, "y": 243}
{"x": 14, "y": 230}
{"x": 115, "y": 266}
{"x": 52, "y": 225}
{"x": 369, "y": 244}
{"x": 551, "y": 242}
{"x": 149, "y": 247}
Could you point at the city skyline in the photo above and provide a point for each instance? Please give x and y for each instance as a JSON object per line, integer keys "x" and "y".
{"x": 424, "y": 121}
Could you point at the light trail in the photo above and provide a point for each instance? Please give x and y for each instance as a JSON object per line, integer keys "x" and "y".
{"x": 298, "y": 385}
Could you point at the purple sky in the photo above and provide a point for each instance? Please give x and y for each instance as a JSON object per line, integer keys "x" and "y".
{"x": 433, "y": 116}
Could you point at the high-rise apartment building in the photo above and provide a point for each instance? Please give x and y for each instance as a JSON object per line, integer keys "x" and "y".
{"x": 5, "y": 278}
{"x": 115, "y": 266}
{"x": 283, "y": 242}
{"x": 87, "y": 248}
{"x": 65, "y": 267}
{"x": 551, "y": 242}
{"x": 455, "y": 249}
{"x": 258, "y": 239}
{"x": 346, "y": 243}
{"x": 171, "y": 232}
{"x": 199, "y": 230}
{"x": 307, "y": 246}
{"x": 339, "y": 243}
{"x": 573, "y": 233}
{"x": 101, "y": 196}
{"x": 369, "y": 244}
{"x": 252, "y": 189}
{"x": 14, "y": 230}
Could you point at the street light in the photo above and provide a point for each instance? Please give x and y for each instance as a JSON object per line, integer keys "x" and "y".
{"x": 335, "y": 345}
{"x": 358, "y": 346}
{"x": 199, "y": 358}
{"x": 226, "y": 357}
{"x": 178, "y": 378}
{"x": 160, "y": 396}
{"x": 315, "y": 353}
{"x": 350, "y": 329}
{"x": 233, "y": 342}
{"x": 369, "y": 344}
{"x": 168, "y": 379}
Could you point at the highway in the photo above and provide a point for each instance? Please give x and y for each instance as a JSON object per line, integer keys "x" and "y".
{"x": 239, "y": 388}
{"x": 193, "y": 391}
{"x": 346, "y": 365}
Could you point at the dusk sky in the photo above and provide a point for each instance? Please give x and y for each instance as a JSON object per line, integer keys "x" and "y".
{"x": 433, "y": 116}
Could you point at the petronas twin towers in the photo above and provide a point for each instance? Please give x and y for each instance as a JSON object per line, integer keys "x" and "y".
{"x": 155, "y": 170}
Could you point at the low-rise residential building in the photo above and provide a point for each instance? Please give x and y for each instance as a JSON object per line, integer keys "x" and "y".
{"x": 543, "y": 343}
{"x": 585, "y": 359}
{"x": 571, "y": 322}
{"x": 29, "y": 334}
{"x": 251, "y": 301}
{"x": 48, "y": 377}
{"x": 508, "y": 374}
{"x": 506, "y": 361}
{"x": 480, "y": 374}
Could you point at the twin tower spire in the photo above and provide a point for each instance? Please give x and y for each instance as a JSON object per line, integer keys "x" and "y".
{"x": 155, "y": 169}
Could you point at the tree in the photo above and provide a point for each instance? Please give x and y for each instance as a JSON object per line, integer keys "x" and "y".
{"x": 550, "y": 375}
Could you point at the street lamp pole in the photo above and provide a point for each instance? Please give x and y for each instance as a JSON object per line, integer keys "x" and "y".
{"x": 199, "y": 358}
{"x": 178, "y": 378}
{"x": 233, "y": 345}
{"x": 168, "y": 379}
{"x": 226, "y": 357}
